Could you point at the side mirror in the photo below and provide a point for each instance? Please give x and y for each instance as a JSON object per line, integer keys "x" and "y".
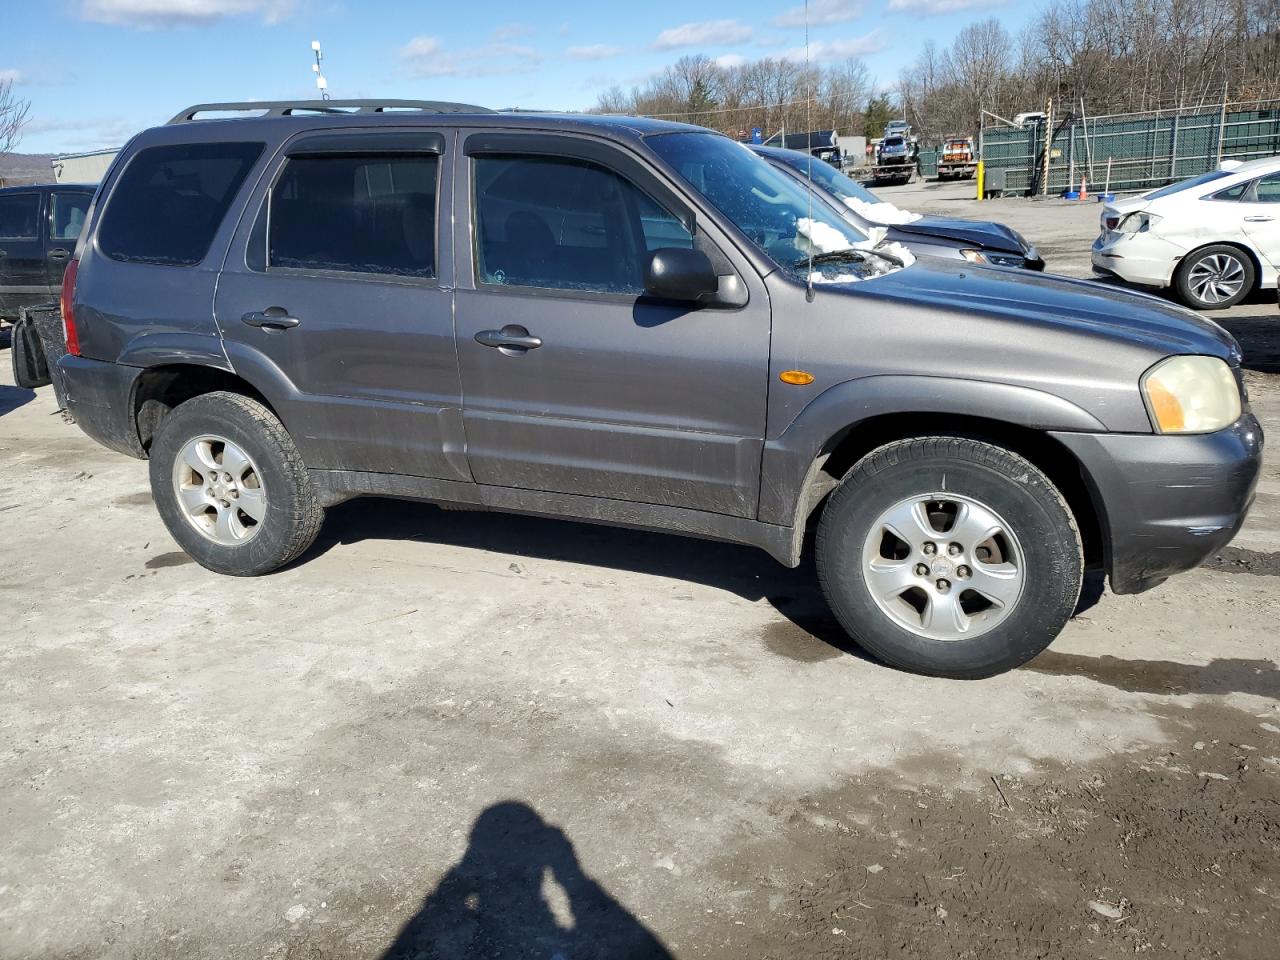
{"x": 674, "y": 273}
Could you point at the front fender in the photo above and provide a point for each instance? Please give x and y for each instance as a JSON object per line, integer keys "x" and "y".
{"x": 789, "y": 455}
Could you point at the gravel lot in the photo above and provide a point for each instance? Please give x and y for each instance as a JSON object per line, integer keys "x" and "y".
{"x": 449, "y": 734}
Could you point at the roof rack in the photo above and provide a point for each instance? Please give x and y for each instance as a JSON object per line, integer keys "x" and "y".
{"x": 287, "y": 108}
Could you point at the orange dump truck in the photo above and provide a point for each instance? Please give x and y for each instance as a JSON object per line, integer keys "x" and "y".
{"x": 958, "y": 158}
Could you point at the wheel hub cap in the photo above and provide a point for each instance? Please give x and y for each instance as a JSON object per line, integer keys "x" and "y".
{"x": 219, "y": 490}
{"x": 943, "y": 566}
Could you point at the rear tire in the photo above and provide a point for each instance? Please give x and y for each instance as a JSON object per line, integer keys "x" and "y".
{"x": 1214, "y": 278}
{"x": 26, "y": 353}
{"x": 949, "y": 556}
{"x": 231, "y": 486}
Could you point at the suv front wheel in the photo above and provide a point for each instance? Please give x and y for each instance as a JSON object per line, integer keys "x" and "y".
{"x": 949, "y": 556}
{"x": 231, "y": 486}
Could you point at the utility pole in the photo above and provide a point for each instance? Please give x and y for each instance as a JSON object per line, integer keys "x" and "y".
{"x": 1048, "y": 146}
{"x": 321, "y": 82}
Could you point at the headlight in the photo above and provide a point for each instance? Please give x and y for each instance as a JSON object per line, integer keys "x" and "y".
{"x": 1138, "y": 222}
{"x": 994, "y": 259}
{"x": 1191, "y": 395}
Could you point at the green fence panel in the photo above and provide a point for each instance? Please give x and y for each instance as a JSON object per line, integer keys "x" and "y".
{"x": 1144, "y": 152}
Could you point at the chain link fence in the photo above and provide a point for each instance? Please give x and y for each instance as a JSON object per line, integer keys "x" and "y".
{"x": 1135, "y": 151}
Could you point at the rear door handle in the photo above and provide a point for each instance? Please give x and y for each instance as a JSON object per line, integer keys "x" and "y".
{"x": 512, "y": 339}
{"x": 59, "y": 253}
{"x": 1258, "y": 219}
{"x": 272, "y": 318}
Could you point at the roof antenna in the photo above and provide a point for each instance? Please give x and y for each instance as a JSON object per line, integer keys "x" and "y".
{"x": 808, "y": 143}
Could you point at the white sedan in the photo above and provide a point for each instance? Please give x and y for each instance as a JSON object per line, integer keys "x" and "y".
{"x": 1212, "y": 238}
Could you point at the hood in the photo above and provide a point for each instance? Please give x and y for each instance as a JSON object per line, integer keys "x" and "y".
{"x": 1051, "y": 301}
{"x": 982, "y": 234}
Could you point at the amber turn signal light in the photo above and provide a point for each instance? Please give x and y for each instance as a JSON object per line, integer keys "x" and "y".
{"x": 797, "y": 377}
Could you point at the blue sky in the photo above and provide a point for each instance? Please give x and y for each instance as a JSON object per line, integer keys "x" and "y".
{"x": 98, "y": 70}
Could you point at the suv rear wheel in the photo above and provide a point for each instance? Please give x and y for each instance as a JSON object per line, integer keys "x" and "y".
{"x": 949, "y": 556}
{"x": 231, "y": 486}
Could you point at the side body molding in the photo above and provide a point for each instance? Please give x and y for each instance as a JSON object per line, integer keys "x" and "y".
{"x": 789, "y": 454}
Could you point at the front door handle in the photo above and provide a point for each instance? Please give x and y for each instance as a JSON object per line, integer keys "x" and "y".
{"x": 1258, "y": 219}
{"x": 272, "y": 318}
{"x": 59, "y": 253}
{"x": 512, "y": 339}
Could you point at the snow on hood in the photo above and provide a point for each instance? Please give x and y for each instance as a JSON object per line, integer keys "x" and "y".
{"x": 822, "y": 238}
{"x": 882, "y": 212}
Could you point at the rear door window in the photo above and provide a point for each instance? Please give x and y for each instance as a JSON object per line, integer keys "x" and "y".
{"x": 566, "y": 224}
{"x": 66, "y": 215}
{"x": 170, "y": 201}
{"x": 356, "y": 214}
{"x": 20, "y": 216}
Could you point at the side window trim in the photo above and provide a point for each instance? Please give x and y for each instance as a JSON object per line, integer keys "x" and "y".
{"x": 333, "y": 146}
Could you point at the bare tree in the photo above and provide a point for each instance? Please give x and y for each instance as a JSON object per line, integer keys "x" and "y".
{"x": 13, "y": 116}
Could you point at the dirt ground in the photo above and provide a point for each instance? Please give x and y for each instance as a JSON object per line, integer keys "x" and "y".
{"x": 449, "y": 734}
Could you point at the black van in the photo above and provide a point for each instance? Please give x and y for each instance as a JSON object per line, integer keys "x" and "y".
{"x": 39, "y": 226}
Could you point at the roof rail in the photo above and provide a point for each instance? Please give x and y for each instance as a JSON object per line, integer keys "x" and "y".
{"x": 286, "y": 108}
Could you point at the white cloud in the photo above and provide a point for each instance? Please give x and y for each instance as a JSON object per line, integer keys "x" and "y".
{"x": 872, "y": 42}
{"x": 428, "y": 57}
{"x": 11, "y": 76}
{"x": 823, "y": 12}
{"x": 728, "y": 61}
{"x": 510, "y": 31}
{"x": 719, "y": 32}
{"x": 937, "y": 7}
{"x": 594, "y": 51}
{"x": 149, "y": 14}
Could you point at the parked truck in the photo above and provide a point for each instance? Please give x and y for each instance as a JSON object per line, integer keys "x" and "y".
{"x": 958, "y": 158}
{"x": 896, "y": 157}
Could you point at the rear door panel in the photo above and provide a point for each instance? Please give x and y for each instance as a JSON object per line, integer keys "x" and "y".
{"x": 371, "y": 368}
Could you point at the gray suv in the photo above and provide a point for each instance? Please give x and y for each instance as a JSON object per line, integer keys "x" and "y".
{"x": 639, "y": 323}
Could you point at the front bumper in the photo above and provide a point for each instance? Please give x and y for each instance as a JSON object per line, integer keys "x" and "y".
{"x": 99, "y": 396}
{"x": 1168, "y": 502}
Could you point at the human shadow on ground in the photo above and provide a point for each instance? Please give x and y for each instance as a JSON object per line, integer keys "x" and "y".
{"x": 519, "y": 891}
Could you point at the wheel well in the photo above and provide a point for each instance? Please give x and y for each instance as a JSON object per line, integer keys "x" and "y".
{"x": 160, "y": 389}
{"x": 1253, "y": 258}
{"x": 845, "y": 449}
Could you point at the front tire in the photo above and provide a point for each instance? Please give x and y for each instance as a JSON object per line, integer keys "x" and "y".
{"x": 949, "y": 556}
{"x": 231, "y": 486}
{"x": 1214, "y": 278}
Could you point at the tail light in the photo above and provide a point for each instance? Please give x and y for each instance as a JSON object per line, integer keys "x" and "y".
{"x": 68, "y": 314}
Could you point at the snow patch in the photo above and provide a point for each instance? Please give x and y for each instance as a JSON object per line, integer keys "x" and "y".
{"x": 883, "y": 212}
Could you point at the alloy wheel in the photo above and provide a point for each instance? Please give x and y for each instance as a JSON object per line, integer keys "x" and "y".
{"x": 1216, "y": 278}
{"x": 943, "y": 566}
{"x": 219, "y": 490}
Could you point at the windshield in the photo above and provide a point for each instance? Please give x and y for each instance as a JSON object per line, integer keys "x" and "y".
{"x": 1209, "y": 177}
{"x": 829, "y": 178}
{"x": 763, "y": 202}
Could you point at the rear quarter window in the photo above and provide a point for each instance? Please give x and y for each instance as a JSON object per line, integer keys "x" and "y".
{"x": 170, "y": 201}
